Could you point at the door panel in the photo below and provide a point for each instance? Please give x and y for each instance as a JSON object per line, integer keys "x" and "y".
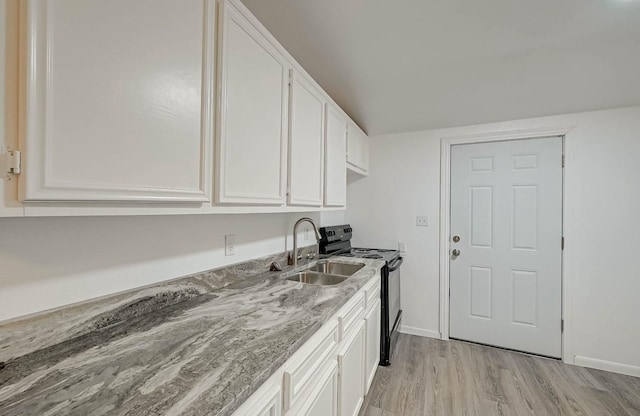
{"x": 372, "y": 353}
{"x": 506, "y": 207}
{"x": 323, "y": 399}
{"x": 251, "y": 144}
{"x": 306, "y": 143}
{"x": 118, "y": 100}
{"x": 335, "y": 178}
{"x": 352, "y": 371}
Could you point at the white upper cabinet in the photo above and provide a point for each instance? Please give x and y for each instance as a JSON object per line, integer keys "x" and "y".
{"x": 252, "y": 132}
{"x": 357, "y": 150}
{"x": 306, "y": 143}
{"x": 9, "y": 204}
{"x": 335, "y": 171}
{"x": 117, "y": 100}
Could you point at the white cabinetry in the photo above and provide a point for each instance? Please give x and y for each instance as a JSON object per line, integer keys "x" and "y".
{"x": 267, "y": 401}
{"x": 9, "y": 204}
{"x": 357, "y": 150}
{"x": 252, "y": 132}
{"x": 351, "y": 377}
{"x": 306, "y": 143}
{"x": 330, "y": 373}
{"x": 117, "y": 100}
{"x": 335, "y": 170}
{"x": 323, "y": 400}
{"x": 372, "y": 352}
{"x": 303, "y": 369}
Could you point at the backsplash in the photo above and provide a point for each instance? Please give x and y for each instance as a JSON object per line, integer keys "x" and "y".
{"x": 24, "y": 336}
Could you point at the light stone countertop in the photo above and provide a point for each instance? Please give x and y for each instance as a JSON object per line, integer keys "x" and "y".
{"x": 199, "y": 345}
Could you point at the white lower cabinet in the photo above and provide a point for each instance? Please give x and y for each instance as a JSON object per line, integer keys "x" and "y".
{"x": 351, "y": 361}
{"x": 372, "y": 351}
{"x": 267, "y": 401}
{"x": 330, "y": 373}
{"x": 323, "y": 400}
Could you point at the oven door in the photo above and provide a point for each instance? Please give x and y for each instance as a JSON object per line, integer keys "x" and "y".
{"x": 394, "y": 295}
{"x": 391, "y": 312}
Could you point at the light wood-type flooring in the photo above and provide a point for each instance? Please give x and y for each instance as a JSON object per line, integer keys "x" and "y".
{"x": 430, "y": 377}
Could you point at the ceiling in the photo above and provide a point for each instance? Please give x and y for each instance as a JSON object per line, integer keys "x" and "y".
{"x": 409, "y": 65}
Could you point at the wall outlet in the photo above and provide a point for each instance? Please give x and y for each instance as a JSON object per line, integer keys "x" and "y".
{"x": 229, "y": 245}
{"x": 422, "y": 221}
{"x": 306, "y": 234}
{"x": 402, "y": 246}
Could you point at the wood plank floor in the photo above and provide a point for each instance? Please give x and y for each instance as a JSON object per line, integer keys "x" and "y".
{"x": 430, "y": 377}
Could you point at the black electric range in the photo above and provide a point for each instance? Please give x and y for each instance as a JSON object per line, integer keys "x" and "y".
{"x": 336, "y": 241}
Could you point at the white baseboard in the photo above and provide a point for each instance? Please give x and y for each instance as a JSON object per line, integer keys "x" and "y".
{"x": 612, "y": 366}
{"x": 410, "y": 330}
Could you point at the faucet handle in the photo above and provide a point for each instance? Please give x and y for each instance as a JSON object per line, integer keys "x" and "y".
{"x": 311, "y": 255}
{"x": 275, "y": 267}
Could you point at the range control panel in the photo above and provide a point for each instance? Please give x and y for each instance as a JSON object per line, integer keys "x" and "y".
{"x": 337, "y": 236}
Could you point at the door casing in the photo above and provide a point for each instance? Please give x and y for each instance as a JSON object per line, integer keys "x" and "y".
{"x": 445, "y": 212}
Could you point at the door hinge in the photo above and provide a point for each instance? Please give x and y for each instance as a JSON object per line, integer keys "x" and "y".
{"x": 561, "y": 325}
{"x": 562, "y": 243}
{"x": 290, "y": 77}
{"x": 562, "y": 160}
{"x": 10, "y": 162}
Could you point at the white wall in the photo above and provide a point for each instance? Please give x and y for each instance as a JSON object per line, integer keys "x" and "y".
{"x": 602, "y": 219}
{"x": 50, "y": 262}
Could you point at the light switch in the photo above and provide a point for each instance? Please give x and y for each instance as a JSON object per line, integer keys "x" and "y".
{"x": 422, "y": 221}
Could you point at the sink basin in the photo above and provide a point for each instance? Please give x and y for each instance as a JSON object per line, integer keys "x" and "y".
{"x": 341, "y": 269}
{"x": 314, "y": 278}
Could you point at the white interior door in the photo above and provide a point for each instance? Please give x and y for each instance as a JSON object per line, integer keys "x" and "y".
{"x": 506, "y": 209}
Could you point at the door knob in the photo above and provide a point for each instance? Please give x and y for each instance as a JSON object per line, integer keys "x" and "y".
{"x": 456, "y": 238}
{"x": 455, "y": 252}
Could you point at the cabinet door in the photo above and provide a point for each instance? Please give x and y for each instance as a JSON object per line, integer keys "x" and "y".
{"x": 353, "y": 146}
{"x": 323, "y": 399}
{"x": 351, "y": 375}
{"x": 118, "y": 100}
{"x": 364, "y": 153}
{"x": 372, "y": 349}
{"x": 306, "y": 143}
{"x": 252, "y": 134}
{"x": 357, "y": 150}
{"x": 9, "y": 204}
{"x": 335, "y": 173}
{"x": 267, "y": 401}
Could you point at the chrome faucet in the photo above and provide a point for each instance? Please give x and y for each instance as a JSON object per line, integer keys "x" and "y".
{"x": 293, "y": 256}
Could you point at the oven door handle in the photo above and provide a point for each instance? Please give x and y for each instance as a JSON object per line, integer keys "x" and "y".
{"x": 396, "y": 264}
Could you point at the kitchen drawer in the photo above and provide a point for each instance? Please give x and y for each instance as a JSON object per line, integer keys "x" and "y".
{"x": 306, "y": 363}
{"x": 351, "y": 314}
{"x": 264, "y": 402}
{"x": 372, "y": 294}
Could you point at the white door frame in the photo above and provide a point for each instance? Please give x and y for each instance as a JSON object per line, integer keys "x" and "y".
{"x": 445, "y": 211}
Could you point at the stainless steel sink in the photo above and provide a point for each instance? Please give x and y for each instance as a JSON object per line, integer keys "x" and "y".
{"x": 330, "y": 267}
{"x": 314, "y": 278}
